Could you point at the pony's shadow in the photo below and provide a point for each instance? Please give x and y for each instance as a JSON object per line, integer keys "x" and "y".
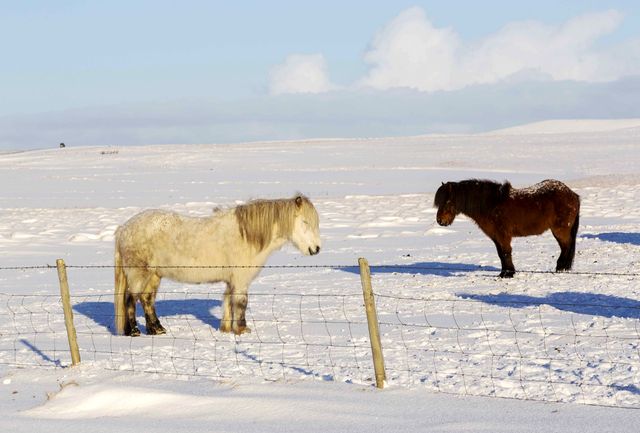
{"x": 633, "y": 389}
{"x": 425, "y": 268}
{"x": 102, "y": 312}
{"x": 575, "y": 302}
{"x": 617, "y": 237}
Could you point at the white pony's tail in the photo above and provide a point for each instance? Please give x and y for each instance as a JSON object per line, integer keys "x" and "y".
{"x": 120, "y": 292}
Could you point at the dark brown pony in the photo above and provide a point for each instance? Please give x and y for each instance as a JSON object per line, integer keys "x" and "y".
{"x": 503, "y": 212}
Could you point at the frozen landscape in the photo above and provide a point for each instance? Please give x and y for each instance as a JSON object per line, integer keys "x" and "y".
{"x": 464, "y": 350}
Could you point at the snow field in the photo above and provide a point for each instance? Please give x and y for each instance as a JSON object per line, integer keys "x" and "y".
{"x": 448, "y": 325}
{"x": 444, "y": 325}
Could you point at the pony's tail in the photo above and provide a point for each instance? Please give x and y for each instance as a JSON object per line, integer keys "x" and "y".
{"x": 119, "y": 294}
{"x": 574, "y": 235}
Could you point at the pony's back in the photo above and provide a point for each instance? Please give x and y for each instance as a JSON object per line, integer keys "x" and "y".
{"x": 159, "y": 233}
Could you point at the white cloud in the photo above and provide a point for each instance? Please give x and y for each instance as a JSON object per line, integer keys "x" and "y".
{"x": 411, "y": 52}
{"x": 564, "y": 52}
{"x": 300, "y": 73}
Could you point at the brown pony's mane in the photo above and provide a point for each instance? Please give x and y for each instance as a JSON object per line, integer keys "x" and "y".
{"x": 258, "y": 218}
{"x": 473, "y": 196}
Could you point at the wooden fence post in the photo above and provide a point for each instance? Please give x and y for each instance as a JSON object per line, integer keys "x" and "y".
{"x": 68, "y": 312}
{"x": 372, "y": 321}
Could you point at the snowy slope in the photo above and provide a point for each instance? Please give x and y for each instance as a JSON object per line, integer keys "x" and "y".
{"x": 571, "y": 126}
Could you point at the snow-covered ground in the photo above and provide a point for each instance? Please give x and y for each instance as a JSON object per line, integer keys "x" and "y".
{"x": 451, "y": 331}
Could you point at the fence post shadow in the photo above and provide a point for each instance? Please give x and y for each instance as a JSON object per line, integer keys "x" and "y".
{"x": 301, "y": 370}
{"x": 40, "y": 353}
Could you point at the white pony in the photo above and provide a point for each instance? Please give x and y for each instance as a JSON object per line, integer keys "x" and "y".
{"x": 230, "y": 246}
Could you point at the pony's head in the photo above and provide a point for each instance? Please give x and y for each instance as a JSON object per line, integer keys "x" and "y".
{"x": 293, "y": 219}
{"x": 470, "y": 197}
{"x": 444, "y": 201}
{"x": 305, "y": 234}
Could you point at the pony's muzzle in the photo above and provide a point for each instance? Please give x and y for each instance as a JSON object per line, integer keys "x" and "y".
{"x": 314, "y": 252}
{"x": 442, "y": 222}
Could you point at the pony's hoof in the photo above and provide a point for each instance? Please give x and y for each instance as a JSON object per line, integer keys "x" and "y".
{"x": 156, "y": 331}
{"x": 225, "y": 328}
{"x": 135, "y": 332}
{"x": 507, "y": 274}
{"x": 242, "y": 330}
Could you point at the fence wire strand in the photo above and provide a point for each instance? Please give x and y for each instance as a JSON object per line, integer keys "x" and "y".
{"x": 435, "y": 269}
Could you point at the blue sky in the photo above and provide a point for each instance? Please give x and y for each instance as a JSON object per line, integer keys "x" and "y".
{"x": 210, "y": 71}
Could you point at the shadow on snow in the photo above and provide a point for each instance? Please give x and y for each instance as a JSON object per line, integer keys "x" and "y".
{"x": 617, "y": 237}
{"x": 298, "y": 369}
{"x": 575, "y": 302}
{"x": 424, "y": 268}
{"x": 102, "y": 312}
{"x": 32, "y": 347}
{"x": 633, "y": 389}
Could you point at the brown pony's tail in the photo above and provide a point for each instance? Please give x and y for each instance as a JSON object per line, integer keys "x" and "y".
{"x": 574, "y": 235}
{"x": 119, "y": 294}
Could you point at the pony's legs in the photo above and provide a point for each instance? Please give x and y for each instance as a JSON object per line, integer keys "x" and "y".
{"x": 506, "y": 263}
{"x": 239, "y": 301}
{"x": 225, "y": 323}
{"x": 138, "y": 281}
{"x": 566, "y": 231}
{"x": 567, "y": 247}
{"x": 130, "y": 325}
{"x": 148, "y": 300}
{"x": 234, "y": 305}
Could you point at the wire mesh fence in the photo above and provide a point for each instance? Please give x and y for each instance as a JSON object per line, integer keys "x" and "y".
{"x": 290, "y": 336}
{"x": 511, "y": 349}
{"x": 562, "y": 347}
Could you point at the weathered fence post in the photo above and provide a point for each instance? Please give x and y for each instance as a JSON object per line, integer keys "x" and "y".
{"x": 372, "y": 320}
{"x": 68, "y": 312}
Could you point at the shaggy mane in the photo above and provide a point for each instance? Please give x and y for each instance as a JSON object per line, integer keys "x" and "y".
{"x": 259, "y": 219}
{"x": 473, "y": 195}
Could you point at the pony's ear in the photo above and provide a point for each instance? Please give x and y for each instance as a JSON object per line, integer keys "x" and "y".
{"x": 298, "y": 201}
{"x": 442, "y": 183}
{"x": 503, "y": 191}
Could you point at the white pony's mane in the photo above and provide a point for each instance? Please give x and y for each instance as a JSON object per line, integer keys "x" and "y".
{"x": 259, "y": 220}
